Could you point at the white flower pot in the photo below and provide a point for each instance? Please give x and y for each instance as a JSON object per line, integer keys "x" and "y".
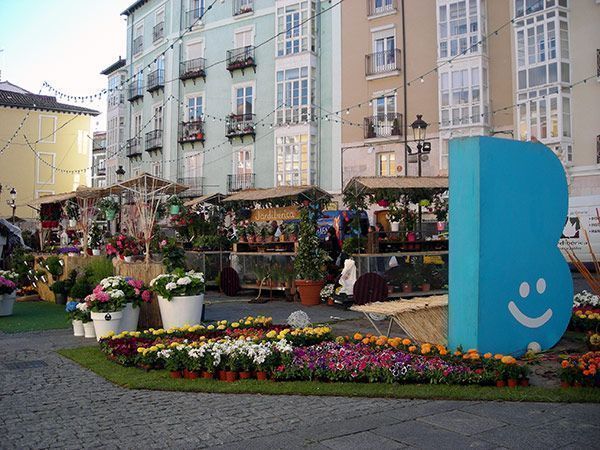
{"x": 395, "y": 226}
{"x": 72, "y": 223}
{"x": 7, "y": 302}
{"x": 180, "y": 311}
{"x": 96, "y": 252}
{"x": 106, "y": 322}
{"x": 129, "y": 321}
{"x": 78, "y": 328}
{"x": 88, "y": 330}
{"x": 128, "y": 258}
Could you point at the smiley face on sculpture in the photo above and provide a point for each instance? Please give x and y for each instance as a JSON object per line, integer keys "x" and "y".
{"x": 523, "y": 319}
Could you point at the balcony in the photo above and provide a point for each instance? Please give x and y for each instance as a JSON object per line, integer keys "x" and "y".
{"x": 158, "y": 32}
{"x": 383, "y": 125}
{"x": 134, "y": 147}
{"x": 240, "y": 181}
{"x": 242, "y": 7}
{"x": 192, "y": 131}
{"x": 136, "y": 91}
{"x": 381, "y": 63}
{"x": 240, "y": 59}
{"x": 381, "y": 7}
{"x": 195, "y": 184}
{"x": 240, "y": 125}
{"x": 156, "y": 80}
{"x": 192, "y": 68}
{"x": 193, "y": 17}
{"x": 154, "y": 140}
{"x": 138, "y": 45}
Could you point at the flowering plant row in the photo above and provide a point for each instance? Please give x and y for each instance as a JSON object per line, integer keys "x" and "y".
{"x": 122, "y": 246}
{"x": 585, "y": 299}
{"x": 581, "y": 370}
{"x": 178, "y": 283}
{"x": 112, "y": 293}
{"x": 585, "y": 318}
{"x": 9, "y": 275}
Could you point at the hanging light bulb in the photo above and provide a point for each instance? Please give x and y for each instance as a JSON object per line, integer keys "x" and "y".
{"x": 348, "y": 111}
{"x": 422, "y": 80}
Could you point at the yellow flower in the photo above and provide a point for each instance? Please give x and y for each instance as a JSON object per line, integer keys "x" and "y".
{"x": 271, "y": 334}
{"x": 140, "y": 349}
{"x": 153, "y": 348}
{"x": 210, "y": 327}
{"x": 221, "y": 327}
{"x": 235, "y": 325}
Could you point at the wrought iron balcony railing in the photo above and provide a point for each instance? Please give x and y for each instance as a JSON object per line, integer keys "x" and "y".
{"x": 191, "y": 131}
{"x": 158, "y": 32}
{"x": 242, "y": 7}
{"x": 241, "y": 58}
{"x": 192, "y": 68}
{"x": 240, "y": 125}
{"x": 136, "y": 90}
{"x": 138, "y": 45}
{"x": 156, "y": 80}
{"x": 382, "y": 62}
{"x": 134, "y": 147}
{"x": 154, "y": 140}
{"x": 195, "y": 185}
{"x": 240, "y": 181}
{"x": 383, "y": 125}
{"x": 378, "y": 7}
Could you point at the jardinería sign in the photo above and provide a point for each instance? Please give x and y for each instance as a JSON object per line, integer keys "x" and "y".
{"x": 270, "y": 214}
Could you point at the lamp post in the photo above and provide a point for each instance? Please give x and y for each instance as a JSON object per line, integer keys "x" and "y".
{"x": 13, "y": 202}
{"x": 419, "y": 128}
{"x": 120, "y": 175}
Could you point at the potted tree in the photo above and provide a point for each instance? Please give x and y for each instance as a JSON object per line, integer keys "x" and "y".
{"x": 180, "y": 297}
{"x": 174, "y": 203}
{"x": 394, "y": 215}
{"x": 60, "y": 289}
{"x": 310, "y": 261}
{"x": 95, "y": 239}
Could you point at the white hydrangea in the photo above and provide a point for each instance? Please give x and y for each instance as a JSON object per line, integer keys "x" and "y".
{"x": 117, "y": 293}
{"x": 170, "y": 286}
{"x": 184, "y": 281}
{"x": 586, "y": 299}
{"x": 82, "y": 307}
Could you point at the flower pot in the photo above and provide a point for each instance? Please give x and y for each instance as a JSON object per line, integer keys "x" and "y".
{"x": 231, "y": 376}
{"x": 128, "y": 259}
{"x": 110, "y": 214}
{"x": 129, "y": 321}
{"x": 395, "y": 226}
{"x": 105, "y": 322}
{"x": 72, "y": 223}
{"x": 88, "y": 330}
{"x": 180, "y": 311}
{"x": 406, "y": 287}
{"x": 174, "y": 209}
{"x": 245, "y": 375}
{"x": 261, "y": 376}
{"x": 95, "y": 252}
{"x": 268, "y": 239}
{"x": 310, "y": 291}
{"x": 208, "y": 375}
{"x": 78, "y": 329}
{"x": 190, "y": 374}
{"x": 282, "y": 238}
{"x": 222, "y": 375}
{"x": 524, "y": 382}
{"x": 425, "y": 287}
{"x": 60, "y": 299}
{"x": 175, "y": 374}
{"x": 330, "y": 301}
{"x": 512, "y": 383}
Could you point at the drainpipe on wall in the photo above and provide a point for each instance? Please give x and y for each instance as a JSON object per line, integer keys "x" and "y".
{"x": 404, "y": 89}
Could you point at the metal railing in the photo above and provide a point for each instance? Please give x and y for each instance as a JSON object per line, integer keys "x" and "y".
{"x": 240, "y": 58}
{"x": 138, "y": 45}
{"x": 154, "y": 140}
{"x": 242, "y": 7}
{"x": 240, "y": 181}
{"x": 192, "y": 68}
{"x": 383, "y": 125}
{"x": 240, "y": 124}
{"x": 191, "y": 131}
{"x": 195, "y": 184}
{"x": 158, "y": 32}
{"x": 134, "y": 147}
{"x": 382, "y": 62}
{"x": 192, "y": 16}
{"x": 156, "y": 80}
{"x": 136, "y": 90}
{"x": 377, "y": 7}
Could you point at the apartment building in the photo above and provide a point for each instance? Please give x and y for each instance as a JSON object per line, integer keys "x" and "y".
{"x": 229, "y": 105}
{"x": 116, "y": 75}
{"x": 53, "y": 138}
{"x": 98, "y": 168}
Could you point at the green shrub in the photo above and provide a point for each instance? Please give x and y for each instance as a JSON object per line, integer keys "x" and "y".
{"x": 98, "y": 269}
{"x": 54, "y": 266}
{"x": 81, "y": 289}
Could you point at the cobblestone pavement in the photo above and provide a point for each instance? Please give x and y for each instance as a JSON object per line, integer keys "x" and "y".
{"x": 47, "y": 401}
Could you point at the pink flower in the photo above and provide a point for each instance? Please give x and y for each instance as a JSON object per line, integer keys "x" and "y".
{"x": 136, "y": 284}
{"x": 163, "y": 243}
{"x": 147, "y": 296}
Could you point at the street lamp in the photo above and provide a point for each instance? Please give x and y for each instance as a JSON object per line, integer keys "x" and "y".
{"x": 419, "y": 128}
{"x": 120, "y": 173}
{"x": 13, "y": 202}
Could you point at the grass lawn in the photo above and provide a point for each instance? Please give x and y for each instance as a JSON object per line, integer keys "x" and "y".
{"x": 35, "y": 316}
{"x": 134, "y": 378}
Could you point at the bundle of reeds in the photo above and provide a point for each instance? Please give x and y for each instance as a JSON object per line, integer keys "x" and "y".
{"x": 593, "y": 279}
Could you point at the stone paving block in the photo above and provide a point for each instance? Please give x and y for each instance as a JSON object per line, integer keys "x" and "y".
{"x": 519, "y": 437}
{"x": 364, "y": 440}
{"x": 425, "y": 409}
{"x": 518, "y": 413}
{"x": 462, "y": 422}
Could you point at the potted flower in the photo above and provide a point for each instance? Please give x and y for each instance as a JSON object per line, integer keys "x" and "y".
{"x": 86, "y": 319}
{"x": 174, "y": 203}
{"x": 291, "y": 231}
{"x": 251, "y": 233}
{"x": 109, "y": 207}
{"x": 394, "y": 216}
{"x": 327, "y": 294}
{"x": 95, "y": 239}
{"x": 72, "y": 210}
{"x": 180, "y": 297}
{"x": 134, "y": 294}
{"x": 75, "y": 315}
{"x": 106, "y": 306}
{"x": 8, "y": 292}
{"x": 241, "y": 233}
{"x": 60, "y": 289}
{"x": 310, "y": 261}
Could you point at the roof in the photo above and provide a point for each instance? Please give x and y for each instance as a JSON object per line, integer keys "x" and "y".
{"x": 13, "y": 96}
{"x": 255, "y": 195}
{"x": 147, "y": 184}
{"x": 131, "y": 8}
{"x": 370, "y": 184}
{"x": 81, "y": 192}
{"x": 114, "y": 66}
{"x": 208, "y": 198}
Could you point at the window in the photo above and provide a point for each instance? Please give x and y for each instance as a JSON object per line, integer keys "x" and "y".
{"x": 538, "y": 117}
{"x": 242, "y": 164}
{"x": 443, "y": 154}
{"x": 137, "y": 125}
{"x": 244, "y": 100}
{"x": 526, "y": 7}
{"x": 194, "y": 50}
{"x": 386, "y": 164}
{"x": 47, "y": 129}
{"x": 138, "y": 40}
{"x": 384, "y": 52}
{"x": 192, "y": 168}
{"x": 195, "y": 108}
{"x": 458, "y": 28}
{"x": 157, "y": 169}
{"x": 461, "y": 96}
{"x": 295, "y": 32}
{"x": 244, "y": 38}
{"x": 158, "y": 31}
{"x": 197, "y": 8}
{"x": 158, "y": 117}
{"x": 293, "y": 95}
{"x": 293, "y": 158}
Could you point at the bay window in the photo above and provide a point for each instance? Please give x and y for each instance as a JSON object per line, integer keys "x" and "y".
{"x": 295, "y": 95}
{"x": 296, "y": 33}
{"x": 295, "y": 160}
{"x": 461, "y": 96}
{"x": 458, "y": 27}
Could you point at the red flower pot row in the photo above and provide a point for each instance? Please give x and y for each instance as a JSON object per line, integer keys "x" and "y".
{"x": 221, "y": 375}
{"x": 512, "y": 383}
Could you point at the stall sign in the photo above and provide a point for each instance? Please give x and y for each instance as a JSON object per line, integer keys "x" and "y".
{"x": 278, "y": 214}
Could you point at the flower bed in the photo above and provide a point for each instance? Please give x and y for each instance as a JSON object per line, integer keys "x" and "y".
{"x": 581, "y": 370}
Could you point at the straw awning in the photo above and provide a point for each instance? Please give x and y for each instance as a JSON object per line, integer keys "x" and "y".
{"x": 208, "y": 198}
{"x": 81, "y": 192}
{"x": 368, "y": 185}
{"x": 312, "y": 193}
{"x": 148, "y": 184}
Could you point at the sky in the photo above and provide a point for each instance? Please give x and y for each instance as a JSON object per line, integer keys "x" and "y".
{"x": 64, "y": 42}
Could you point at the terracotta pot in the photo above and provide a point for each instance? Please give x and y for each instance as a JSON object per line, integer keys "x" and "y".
{"x": 190, "y": 374}
{"x": 293, "y": 237}
{"x": 565, "y": 384}
{"x": 512, "y": 383}
{"x": 175, "y": 374}
{"x": 245, "y": 375}
{"x": 425, "y": 287}
{"x": 231, "y": 376}
{"x": 208, "y": 375}
{"x": 282, "y": 238}
{"x": 269, "y": 238}
{"x": 406, "y": 288}
{"x": 331, "y": 301}
{"x": 251, "y": 239}
{"x": 577, "y": 384}
{"x": 524, "y": 382}
{"x": 262, "y": 376}
{"x": 222, "y": 375}
{"x": 500, "y": 383}
{"x": 310, "y": 291}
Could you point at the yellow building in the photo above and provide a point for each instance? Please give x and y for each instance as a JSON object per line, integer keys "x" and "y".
{"x": 60, "y": 141}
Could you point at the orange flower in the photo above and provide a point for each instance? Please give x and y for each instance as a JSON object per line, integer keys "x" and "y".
{"x": 358, "y": 336}
{"x": 365, "y": 341}
{"x": 457, "y": 353}
{"x": 497, "y": 356}
{"x": 564, "y": 364}
{"x": 380, "y": 342}
{"x": 443, "y": 352}
{"x": 406, "y": 341}
{"x": 487, "y": 355}
{"x": 508, "y": 360}
{"x": 395, "y": 342}
{"x": 412, "y": 348}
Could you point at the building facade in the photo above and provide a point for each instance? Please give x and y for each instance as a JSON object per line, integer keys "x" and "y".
{"x": 52, "y": 138}
{"x": 226, "y": 106}
{"x": 98, "y": 167}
